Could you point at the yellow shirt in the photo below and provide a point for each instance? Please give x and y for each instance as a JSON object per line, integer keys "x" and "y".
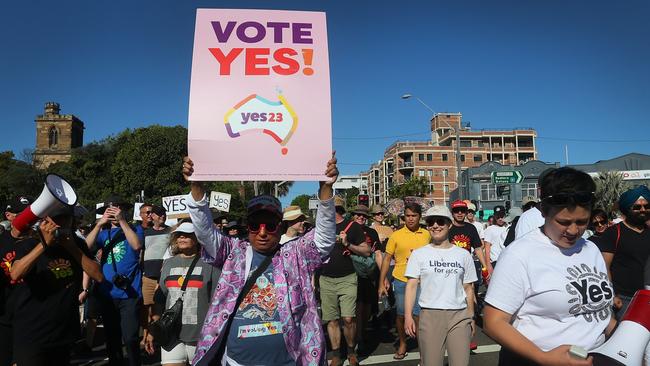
{"x": 401, "y": 244}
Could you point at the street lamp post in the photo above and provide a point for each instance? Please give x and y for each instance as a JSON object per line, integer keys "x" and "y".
{"x": 456, "y": 132}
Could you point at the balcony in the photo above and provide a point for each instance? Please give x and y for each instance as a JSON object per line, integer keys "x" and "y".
{"x": 402, "y": 165}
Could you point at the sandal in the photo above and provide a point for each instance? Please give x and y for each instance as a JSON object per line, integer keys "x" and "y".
{"x": 400, "y": 356}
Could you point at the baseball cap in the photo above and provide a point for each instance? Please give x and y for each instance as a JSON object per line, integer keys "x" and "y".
{"x": 441, "y": 211}
{"x": 339, "y": 202}
{"x": 186, "y": 227}
{"x": 528, "y": 199}
{"x": 115, "y": 200}
{"x": 458, "y": 204}
{"x": 376, "y": 209}
{"x": 264, "y": 202}
{"x": 471, "y": 207}
{"x": 18, "y": 205}
{"x": 159, "y": 210}
{"x": 499, "y": 211}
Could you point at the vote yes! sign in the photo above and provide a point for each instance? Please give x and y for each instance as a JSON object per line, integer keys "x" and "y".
{"x": 260, "y": 95}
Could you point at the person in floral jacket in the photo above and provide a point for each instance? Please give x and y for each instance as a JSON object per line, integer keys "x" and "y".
{"x": 277, "y": 322}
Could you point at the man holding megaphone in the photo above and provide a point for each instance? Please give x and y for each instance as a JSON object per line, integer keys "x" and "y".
{"x": 50, "y": 261}
{"x": 119, "y": 296}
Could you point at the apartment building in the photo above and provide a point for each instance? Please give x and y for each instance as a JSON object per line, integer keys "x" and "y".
{"x": 435, "y": 160}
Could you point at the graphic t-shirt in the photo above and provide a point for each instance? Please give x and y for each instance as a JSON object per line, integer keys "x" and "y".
{"x": 496, "y": 235}
{"x": 156, "y": 243}
{"x": 198, "y": 293}
{"x": 442, "y": 273}
{"x": 401, "y": 244}
{"x": 629, "y": 257}
{"x": 340, "y": 263}
{"x": 255, "y": 336}
{"x": 557, "y": 296}
{"x": 46, "y": 306}
{"x": 465, "y": 237}
{"x": 8, "y": 245}
{"x": 127, "y": 262}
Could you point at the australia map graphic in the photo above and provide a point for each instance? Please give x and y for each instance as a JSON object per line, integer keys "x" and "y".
{"x": 255, "y": 114}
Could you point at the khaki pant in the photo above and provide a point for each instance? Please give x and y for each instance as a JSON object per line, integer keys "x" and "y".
{"x": 440, "y": 329}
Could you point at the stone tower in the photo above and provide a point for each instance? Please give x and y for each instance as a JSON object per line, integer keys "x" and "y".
{"x": 56, "y": 136}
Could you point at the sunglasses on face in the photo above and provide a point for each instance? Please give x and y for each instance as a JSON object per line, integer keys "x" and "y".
{"x": 270, "y": 227}
{"x": 440, "y": 221}
{"x": 146, "y": 213}
{"x": 639, "y": 207}
{"x": 470, "y": 212}
{"x": 577, "y": 198}
{"x": 459, "y": 210}
{"x": 599, "y": 222}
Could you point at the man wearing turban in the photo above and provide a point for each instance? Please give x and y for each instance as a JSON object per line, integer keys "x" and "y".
{"x": 626, "y": 246}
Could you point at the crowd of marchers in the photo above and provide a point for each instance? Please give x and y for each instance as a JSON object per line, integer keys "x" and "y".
{"x": 274, "y": 288}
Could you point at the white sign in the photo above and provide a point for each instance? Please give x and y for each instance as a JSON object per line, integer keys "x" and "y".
{"x": 136, "y": 211}
{"x": 97, "y": 207}
{"x": 313, "y": 203}
{"x": 176, "y": 206}
{"x": 220, "y": 201}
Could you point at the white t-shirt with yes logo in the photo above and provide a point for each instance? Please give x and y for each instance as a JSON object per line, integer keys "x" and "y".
{"x": 557, "y": 296}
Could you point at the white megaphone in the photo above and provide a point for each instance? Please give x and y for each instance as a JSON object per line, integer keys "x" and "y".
{"x": 628, "y": 343}
{"x": 57, "y": 193}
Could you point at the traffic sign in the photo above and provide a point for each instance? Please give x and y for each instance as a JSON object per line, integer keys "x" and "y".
{"x": 507, "y": 177}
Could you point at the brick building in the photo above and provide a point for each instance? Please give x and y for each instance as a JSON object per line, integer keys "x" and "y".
{"x": 56, "y": 136}
{"x": 435, "y": 160}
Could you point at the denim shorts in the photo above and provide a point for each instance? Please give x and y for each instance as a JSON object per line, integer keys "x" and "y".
{"x": 399, "y": 288}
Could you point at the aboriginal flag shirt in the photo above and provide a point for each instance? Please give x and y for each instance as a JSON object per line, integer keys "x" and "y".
{"x": 198, "y": 293}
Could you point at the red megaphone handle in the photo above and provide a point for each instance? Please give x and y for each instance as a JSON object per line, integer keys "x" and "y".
{"x": 24, "y": 220}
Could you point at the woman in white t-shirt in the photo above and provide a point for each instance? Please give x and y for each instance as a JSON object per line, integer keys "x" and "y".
{"x": 551, "y": 289}
{"x": 446, "y": 275}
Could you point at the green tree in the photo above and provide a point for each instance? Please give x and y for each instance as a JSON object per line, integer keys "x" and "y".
{"x": 303, "y": 202}
{"x": 351, "y": 197}
{"x": 18, "y": 178}
{"x": 609, "y": 187}
{"x": 416, "y": 186}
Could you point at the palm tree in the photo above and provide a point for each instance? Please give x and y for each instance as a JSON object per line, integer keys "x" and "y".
{"x": 609, "y": 187}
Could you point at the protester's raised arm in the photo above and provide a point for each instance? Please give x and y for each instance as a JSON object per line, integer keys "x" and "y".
{"x": 197, "y": 189}
{"x": 325, "y": 232}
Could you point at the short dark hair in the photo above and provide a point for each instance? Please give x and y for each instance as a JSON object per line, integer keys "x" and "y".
{"x": 414, "y": 207}
{"x": 565, "y": 181}
{"x": 599, "y": 212}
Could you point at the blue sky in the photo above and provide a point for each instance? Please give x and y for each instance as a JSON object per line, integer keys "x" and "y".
{"x": 576, "y": 71}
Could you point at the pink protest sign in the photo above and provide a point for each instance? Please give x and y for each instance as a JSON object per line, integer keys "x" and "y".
{"x": 260, "y": 96}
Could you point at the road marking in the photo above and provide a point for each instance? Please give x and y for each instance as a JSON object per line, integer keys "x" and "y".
{"x": 414, "y": 356}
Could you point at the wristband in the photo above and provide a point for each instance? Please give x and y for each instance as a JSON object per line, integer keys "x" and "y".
{"x": 86, "y": 290}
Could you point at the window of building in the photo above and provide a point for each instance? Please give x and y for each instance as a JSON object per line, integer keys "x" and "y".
{"x": 445, "y": 172}
{"x": 445, "y": 157}
{"x": 488, "y": 192}
{"x": 529, "y": 189}
{"x": 478, "y": 158}
{"x": 430, "y": 173}
{"x": 429, "y": 157}
{"x": 446, "y": 188}
{"x": 53, "y": 136}
{"x": 462, "y": 158}
{"x": 421, "y": 173}
{"x": 465, "y": 143}
{"x": 421, "y": 157}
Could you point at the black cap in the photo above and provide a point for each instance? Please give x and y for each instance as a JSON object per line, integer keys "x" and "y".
{"x": 499, "y": 211}
{"x": 114, "y": 200}
{"x": 18, "y": 205}
{"x": 159, "y": 210}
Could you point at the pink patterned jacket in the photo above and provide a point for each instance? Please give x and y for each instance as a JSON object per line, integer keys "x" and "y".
{"x": 293, "y": 266}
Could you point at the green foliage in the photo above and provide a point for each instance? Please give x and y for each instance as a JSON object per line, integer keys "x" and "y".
{"x": 609, "y": 187}
{"x": 351, "y": 197}
{"x": 416, "y": 186}
{"x": 18, "y": 178}
{"x": 303, "y": 202}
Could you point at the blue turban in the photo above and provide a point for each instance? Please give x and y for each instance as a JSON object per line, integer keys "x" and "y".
{"x": 632, "y": 195}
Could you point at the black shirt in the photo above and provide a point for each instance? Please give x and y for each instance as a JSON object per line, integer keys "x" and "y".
{"x": 372, "y": 239}
{"x": 8, "y": 245}
{"x": 46, "y": 302}
{"x": 630, "y": 256}
{"x": 465, "y": 236}
{"x": 340, "y": 263}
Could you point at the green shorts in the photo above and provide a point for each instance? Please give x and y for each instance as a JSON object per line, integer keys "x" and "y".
{"x": 338, "y": 296}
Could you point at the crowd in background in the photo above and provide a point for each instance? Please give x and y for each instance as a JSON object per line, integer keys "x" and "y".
{"x": 277, "y": 280}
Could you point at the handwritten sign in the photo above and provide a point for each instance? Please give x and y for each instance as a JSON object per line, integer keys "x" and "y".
{"x": 220, "y": 201}
{"x": 260, "y": 95}
{"x": 176, "y": 206}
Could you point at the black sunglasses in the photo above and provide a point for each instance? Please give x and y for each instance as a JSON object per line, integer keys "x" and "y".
{"x": 459, "y": 210}
{"x": 599, "y": 222}
{"x": 639, "y": 207}
{"x": 270, "y": 227}
{"x": 577, "y": 198}
{"x": 440, "y": 221}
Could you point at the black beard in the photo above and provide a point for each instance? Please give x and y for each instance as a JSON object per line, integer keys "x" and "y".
{"x": 637, "y": 219}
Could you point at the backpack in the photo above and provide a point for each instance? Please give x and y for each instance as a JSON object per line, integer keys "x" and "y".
{"x": 364, "y": 266}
